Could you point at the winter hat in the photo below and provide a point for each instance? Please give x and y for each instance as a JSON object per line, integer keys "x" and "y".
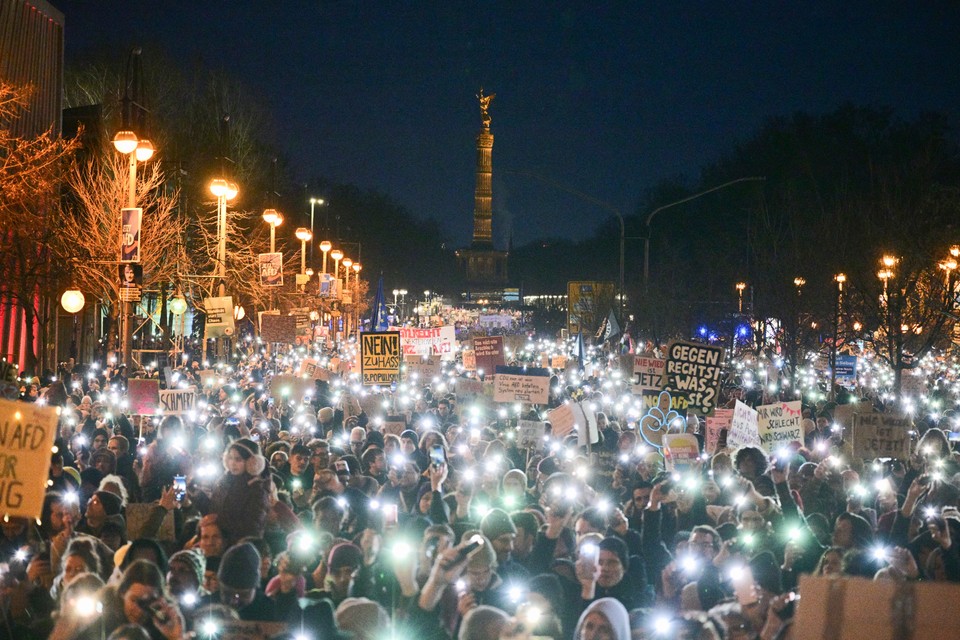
{"x": 343, "y": 555}
{"x": 254, "y": 463}
{"x": 240, "y": 567}
{"x": 104, "y": 454}
{"x": 617, "y": 547}
{"x": 362, "y": 617}
{"x": 497, "y": 523}
{"x": 325, "y": 415}
{"x": 412, "y": 435}
{"x": 548, "y": 466}
{"x": 374, "y": 438}
{"x": 111, "y": 502}
{"x": 193, "y": 559}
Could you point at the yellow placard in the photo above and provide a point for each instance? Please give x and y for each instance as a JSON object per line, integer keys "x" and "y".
{"x": 27, "y": 432}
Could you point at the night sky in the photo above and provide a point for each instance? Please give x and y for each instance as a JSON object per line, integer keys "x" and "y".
{"x": 607, "y": 100}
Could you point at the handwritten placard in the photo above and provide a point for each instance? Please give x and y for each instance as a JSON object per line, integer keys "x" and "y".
{"x": 562, "y": 420}
{"x": 516, "y": 384}
{"x": 694, "y": 370}
{"x": 27, "y": 432}
{"x": 380, "y": 357}
{"x": 290, "y": 388}
{"x": 176, "y": 402}
{"x": 778, "y": 425}
{"x": 530, "y": 434}
{"x": 488, "y": 353}
{"x": 881, "y": 435}
{"x": 716, "y": 423}
{"x": 422, "y": 369}
{"x": 648, "y": 373}
{"x": 743, "y": 426}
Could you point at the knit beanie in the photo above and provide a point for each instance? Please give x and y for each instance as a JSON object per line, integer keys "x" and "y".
{"x": 111, "y": 502}
{"x": 617, "y": 547}
{"x": 240, "y": 567}
{"x": 412, "y": 435}
{"x": 362, "y": 617}
{"x": 374, "y": 438}
{"x": 497, "y": 523}
{"x": 193, "y": 559}
{"x": 343, "y": 555}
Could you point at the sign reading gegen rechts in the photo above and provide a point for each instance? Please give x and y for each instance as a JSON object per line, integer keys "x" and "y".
{"x": 380, "y": 357}
{"x": 27, "y": 432}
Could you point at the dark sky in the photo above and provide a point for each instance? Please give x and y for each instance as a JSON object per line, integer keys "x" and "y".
{"x": 608, "y": 99}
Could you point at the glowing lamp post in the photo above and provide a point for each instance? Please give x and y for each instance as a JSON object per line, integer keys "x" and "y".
{"x": 273, "y": 218}
{"x": 223, "y": 191}
{"x": 740, "y": 287}
{"x": 347, "y": 263}
{"x": 840, "y": 278}
{"x": 337, "y": 255}
{"x": 325, "y": 247}
{"x": 304, "y": 235}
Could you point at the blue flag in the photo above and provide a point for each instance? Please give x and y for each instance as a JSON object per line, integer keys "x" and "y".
{"x": 378, "y": 317}
{"x": 581, "y": 351}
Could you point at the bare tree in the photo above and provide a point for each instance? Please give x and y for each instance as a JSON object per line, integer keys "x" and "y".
{"x": 30, "y": 171}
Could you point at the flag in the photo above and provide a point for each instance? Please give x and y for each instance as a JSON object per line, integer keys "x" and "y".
{"x": 581, "y": 351}
{"x": 378, "y": 317}
{"x": 612, "y": 329}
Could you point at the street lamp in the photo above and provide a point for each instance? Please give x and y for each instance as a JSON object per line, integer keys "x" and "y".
{"x": 72, "y": 302}
{"x": 223, "y": 191}
{"x": 336, "y": 254}
{"x": 740, "y": 287}
{"x": 347, "y": 263}
{"x": 840, "y": 278}
{"x": 273, "y": 218}
{"x": 313, "y": 201}
{"x": 304, "y": 235}
{"x": 325, "y": 246}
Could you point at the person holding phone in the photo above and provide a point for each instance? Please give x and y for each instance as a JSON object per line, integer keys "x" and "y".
{"x": 241, "y": 497}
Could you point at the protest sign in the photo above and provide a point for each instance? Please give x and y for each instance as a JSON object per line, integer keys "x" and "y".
{"x": 288, "y": 387}
{"x": 469, "y": 359}
{"x": 219, "y": 320}
{"x": 778, "y": 425}
{"x": 844, "y": 414}
{"x": 846, "y": 370}
{"x": 394, "y": 425}
{"x": 694, "y": 370}
{"x": 530, "y": 434}
{"x": 720, "y": 420}
{"x": 743, "y": 426}
{"x": 439, "y": 341}
{"x": 650, "y": 398}
{"x": 562, "y": 420}
{"x": 27, "y": 432}
{"x": 680, "y": 451}
{"x": 143, "y": 396}
{"x": 380, "y": 357}
{"x": 310, "y": 368}
{"x": 425, "y": 369}
{"x": 271, "y": 269}
{"x": 488, "y": 353}
{"x": 881, "y": 435}
{"x": 176, "y": 402}
{"x": 648, "y": 373}
{"x": 282, "y": 329}
{"x": 661, "y": 418}
{"x": 468, "y": 389}
{"x": 519, "y": 384}
{"x": 208, "y": 378}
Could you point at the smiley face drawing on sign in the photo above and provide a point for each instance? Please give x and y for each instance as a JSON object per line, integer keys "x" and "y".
{"x": 661, "y": 419}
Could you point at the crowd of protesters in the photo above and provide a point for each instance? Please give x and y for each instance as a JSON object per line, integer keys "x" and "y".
{"x": 316, "y": 520}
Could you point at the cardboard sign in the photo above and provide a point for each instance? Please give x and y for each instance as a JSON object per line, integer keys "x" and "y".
{"x": 648, "y": 373}
{"x": 143, "y": 396}
{"x": 469, "y": 359}
{"x": 844, "y": 415}
{"x": 467, "y": 389}
{"x": 650, "y": 398}
{"x": 176, "y": 402}
{"x": 881, "y": 435}
{"x": 719, "y": 421}
{"x": 310, "y": 368}
{"x": 219, "y": 317}
{"x": 680, "y": 451}
{"x": 425, "y": 369}
{"x": 394, "y": 424}
{"x": 281, "y": 329}
{"x": 694, "y": 370}
{"x": 562, "y": 420}
{"x": 530, "y": 434}
{"x": 208, "y": 378}
{"x": 743, "y": 427}
{"x": 27, "y": 432}
{"x": 286, "y": 387}
{"x": 778, "y": 425}
{"x": 516, "y": 384}
{"x": 488, "y": 352}
{"x": 439, "y": 341}
{"x": 380, "y": 357}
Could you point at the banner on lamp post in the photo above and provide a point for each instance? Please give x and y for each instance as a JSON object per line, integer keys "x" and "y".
{"x": 131, "y": 281}
{"x": 219, "y": 317}
{"x": 271, "y": 269}
{"x": 131, "y": 221}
